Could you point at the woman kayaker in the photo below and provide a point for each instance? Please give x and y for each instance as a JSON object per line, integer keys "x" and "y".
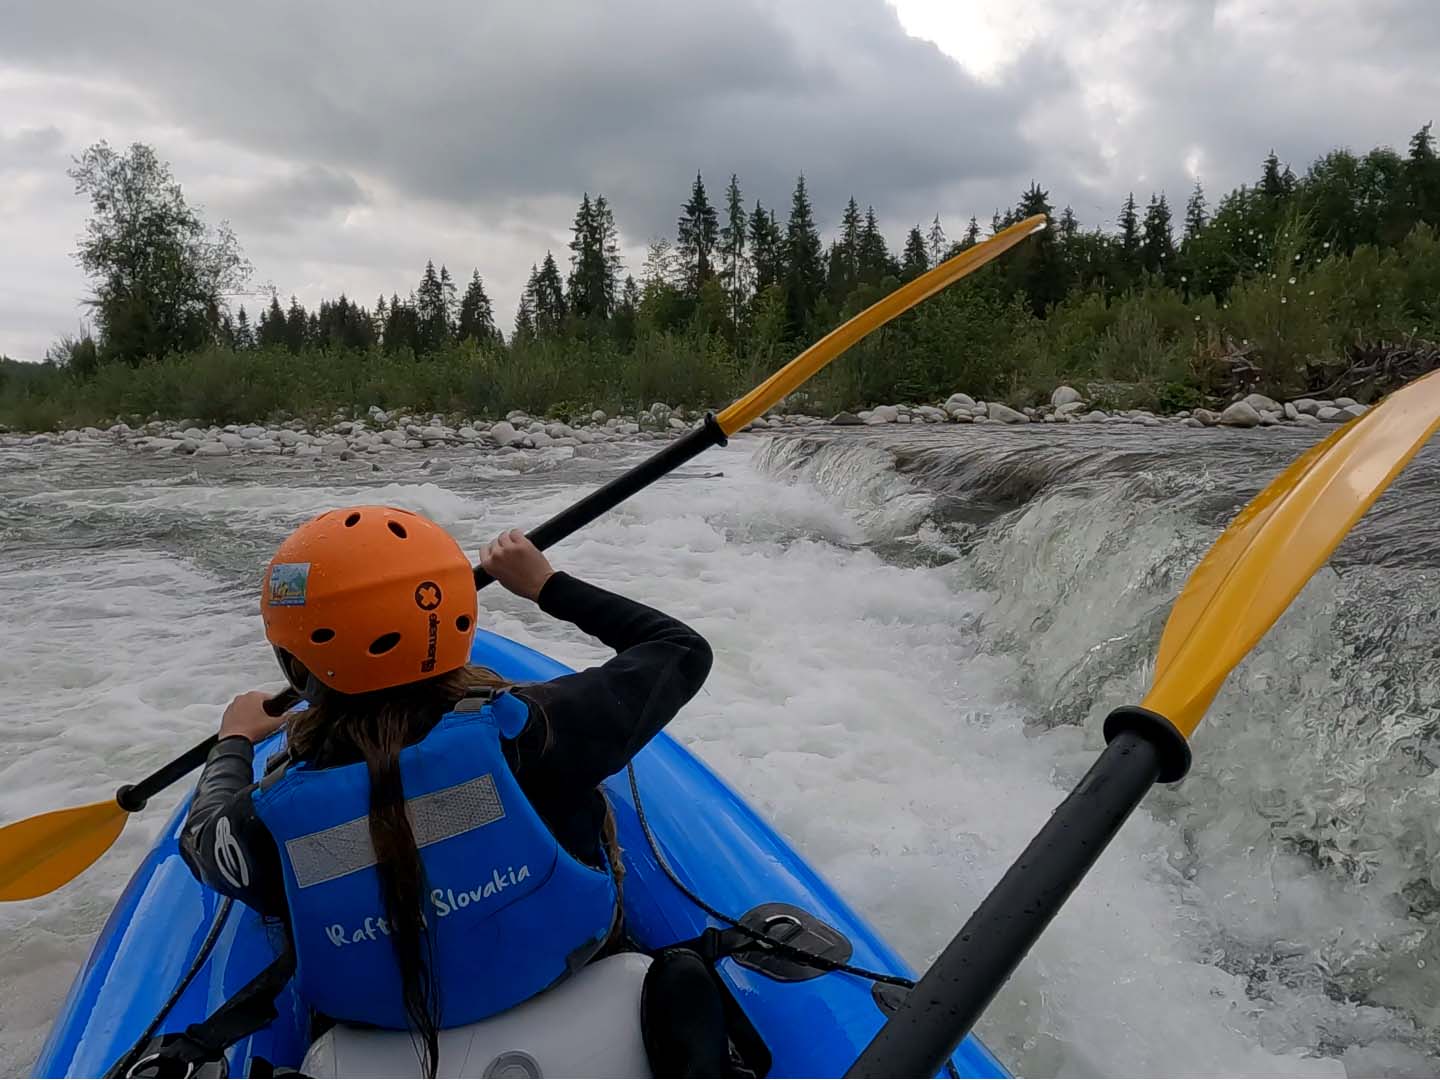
{"x": 434, "y": 838}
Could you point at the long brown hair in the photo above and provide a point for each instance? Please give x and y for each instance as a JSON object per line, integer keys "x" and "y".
{"x": 374, "y": 728}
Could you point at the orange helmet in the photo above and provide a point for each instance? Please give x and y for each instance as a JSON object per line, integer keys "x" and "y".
{"x": 366, "y": 598}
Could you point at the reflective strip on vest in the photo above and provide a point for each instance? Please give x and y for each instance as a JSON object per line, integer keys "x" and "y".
{"x": 507, "y": 910}
{"x": 343, "y": 849}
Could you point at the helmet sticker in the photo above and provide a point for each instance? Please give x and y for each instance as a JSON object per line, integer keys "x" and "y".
{"x": 287, "y": 584}
{"x": 427, "y": 596}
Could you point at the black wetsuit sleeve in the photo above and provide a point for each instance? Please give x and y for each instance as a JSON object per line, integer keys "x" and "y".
{"x": 224, "y": 842}
{"x": 600, "y": 718}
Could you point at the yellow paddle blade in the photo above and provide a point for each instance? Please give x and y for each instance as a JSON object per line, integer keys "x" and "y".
{"x": 40, "y": 854}
{"x": 789, "y": 378}
{"x": 1261, "y": 562}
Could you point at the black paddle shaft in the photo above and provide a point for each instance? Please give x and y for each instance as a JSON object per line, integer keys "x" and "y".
{"x": 611, "y": 495}
{"x": 935, "y": 1016}
{"x": 133, "y": 797}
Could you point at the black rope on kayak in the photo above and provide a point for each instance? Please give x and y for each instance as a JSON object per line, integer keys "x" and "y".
{"x": 764, "y": 940}
{"x": 124, "y": 1065}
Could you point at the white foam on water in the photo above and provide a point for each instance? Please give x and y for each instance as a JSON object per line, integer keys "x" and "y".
{"x": 868, "y": 710}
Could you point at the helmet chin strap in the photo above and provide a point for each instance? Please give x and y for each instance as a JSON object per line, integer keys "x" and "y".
{"x": 300, "y": 678}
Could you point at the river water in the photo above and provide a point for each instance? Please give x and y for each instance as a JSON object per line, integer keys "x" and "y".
{"x": 917, "y": 634}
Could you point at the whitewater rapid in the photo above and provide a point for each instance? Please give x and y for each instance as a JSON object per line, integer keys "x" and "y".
{"x": 916, "y": 638}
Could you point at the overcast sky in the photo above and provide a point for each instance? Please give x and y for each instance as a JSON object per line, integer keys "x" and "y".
{"x": 347, "y": 143}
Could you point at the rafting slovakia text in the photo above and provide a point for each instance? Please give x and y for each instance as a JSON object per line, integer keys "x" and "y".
{"x": 445, "y": 901}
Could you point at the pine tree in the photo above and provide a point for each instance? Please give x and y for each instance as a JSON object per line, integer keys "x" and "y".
{"x": 591, "y": 282}
{"x": 1276, "y": 184}
{"x": 937, "y": 242}
{"x": 627, "y": 310}
{"x": 1194, "y": 213}
{"x": 996, "y": 223}
{"x": 271, "y": 332}
{"x": 609, "y": 240}
{"x": 431, "y": 314}
{"x": 659, "y": 270}
{"x": 874, "y": 256}
{"x": 916, "y": 259}
{"x": 848, "y": 261}
{"x": 1129, "y": 229}
{"x": 448, "y": 303}
{"x": 698, "y": 232}
{"x": 1422, "y": 169}
{"x": 1157, "y": 245}
{"x": 549, "y": 299}
{"x": 377, "y": 320}
{"x": 244, "y": 336}
{"x": 732, "y": 249}
{"x": 1069, "y": 225}
{"x": 972, "y": 234}
{"x": 477, "y": 319}
{"x": 1038, "y": 270}
{"x": 297, "y": 325}
{"x": 804, "y": 272}
{"x": 525, "y": 311}
{"x": 765, "y": 255}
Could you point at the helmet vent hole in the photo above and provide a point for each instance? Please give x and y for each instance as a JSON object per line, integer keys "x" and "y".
{"x": 352, "y": 521}
{"x": 322, "y": 635}
{"x": 397, "y": 529}
{"x": 462, "y": 623}
{"x": 384, "y": 643}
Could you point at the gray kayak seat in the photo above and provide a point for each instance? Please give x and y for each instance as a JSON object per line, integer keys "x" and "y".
{"x": 587, "y": 1026}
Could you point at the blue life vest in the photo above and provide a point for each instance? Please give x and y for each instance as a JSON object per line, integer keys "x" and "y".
{"x": 508, "y": 910}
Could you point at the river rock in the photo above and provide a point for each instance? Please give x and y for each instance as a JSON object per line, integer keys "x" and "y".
{"x": 1356, "y": 410}
{"x": 539, "y": 439}
{"x": 1331, "y": 415}
{"x": 598, "y": 416}
{"x": 289, "y": 438}
{"x": 1065, "y": 395}
{"x": 431, "y": 435}
{"x": 345, "y": 427}
{"x": 1345, "y": 402}
{"x": 1094, "y": 416}
{"x": 252, "y": 432}
{"x": 558, "y": 431}
{"x": 394, "y": 437}
{"x": 187, "y": 446}
{"x": 308, "y": 451}
{"x": 1242, "y": 415}
{"x": 1262, "y": 404}
{"x": 334, "y": 448}
{"x": 961, "y": 416}
{"x": 883, "y": 414}
{"x": 959, "y": 399}
{"x": 930, "y": 414}
{"x": 212, "y": 449}
{"x": 1291, "y": 412}
{"x": 153, "y": 442}
{"x": 1069, "y": 408}
{"x": 676, "y": 424}
{"x": 517, "y": 414}
{"x": 231, "y": 440}
{"x": 1269, "y": 419}
{"x": 1003, "y": 414}
{"x": 1307, "y": 406}
{"x": 1190, "y": 421}
{"x": 1306, "y": 420}
{"x": 1206, "y": 417}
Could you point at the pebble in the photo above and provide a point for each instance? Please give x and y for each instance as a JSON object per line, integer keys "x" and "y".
{"x": 1241, "y": 414}
{"x": 1065, "y": 395}
{"x": 1005, "y": 415}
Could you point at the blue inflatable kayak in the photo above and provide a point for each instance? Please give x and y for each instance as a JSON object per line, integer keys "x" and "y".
{"x": 173, "y": 951}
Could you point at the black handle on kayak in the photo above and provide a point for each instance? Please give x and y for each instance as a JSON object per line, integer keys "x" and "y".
{"x": 133, "y": 797}
{"x": 936, "y": 1016}
{"x": 611, "y": 495}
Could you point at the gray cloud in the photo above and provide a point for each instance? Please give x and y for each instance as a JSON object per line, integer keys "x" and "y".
{"x": 347, "y": 145}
